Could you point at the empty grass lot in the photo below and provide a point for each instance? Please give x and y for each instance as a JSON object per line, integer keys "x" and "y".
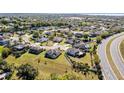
{"x": 44, "y": 65}
{"x": 47, "y": 66}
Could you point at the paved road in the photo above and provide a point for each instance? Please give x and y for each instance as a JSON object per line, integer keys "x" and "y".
{"x": 106, "y": 68}
{"x": 114, "y": 49}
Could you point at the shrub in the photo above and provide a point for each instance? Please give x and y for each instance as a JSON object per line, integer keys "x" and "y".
{"x": 5, "y": 52}
{"x": 27, "y": 72}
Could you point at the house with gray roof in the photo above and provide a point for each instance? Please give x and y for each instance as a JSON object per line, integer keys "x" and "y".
{"x": 53, "y": 53}
{"x": 75, "y": 52}
{"x": 57, "y": 39}
{"x": 69, "y": 41}
{"x": 42, "y": 39}
{"x": 35, "y": 50}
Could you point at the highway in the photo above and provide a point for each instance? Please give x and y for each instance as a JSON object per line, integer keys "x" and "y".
{"x": 106, "y": 67}
{"x": 114, "y": 49}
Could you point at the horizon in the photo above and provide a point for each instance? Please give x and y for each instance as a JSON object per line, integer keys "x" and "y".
{"x": 83, "y": 14}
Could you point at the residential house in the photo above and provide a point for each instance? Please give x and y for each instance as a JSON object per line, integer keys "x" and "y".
{"x": 53, "y": 53}
{"x": 4, "y": 42}
{"x": 19, "y": 47}
{"x": 35, "y": 50}
{"x": 75, "y": 52}
{"x": 18, "y": 50}
{"x": 57, "y": 39}
{"x": 42, "y": 39}
{"x": 69, "y": 41}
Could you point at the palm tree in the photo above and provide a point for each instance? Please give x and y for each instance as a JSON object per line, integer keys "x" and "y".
{"x": 91, "y": 56}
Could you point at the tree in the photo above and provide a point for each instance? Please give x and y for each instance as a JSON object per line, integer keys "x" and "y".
{"x": 86, "y": 37}
{"x": 70, "y": 34}
{"x": 36, "y": 34}
{"x": 105, "y": 35}
{"x": 5, "y": 52}
{"x": 99, "y": 72}
{"x": 20, "y": 39}
{"x": 6, "y": 68}
{"x": 91, "y": 55}
{"x": 98, "y": 39}
{"x": 16, "y": 27}
{"x": 27, "y": 72}
{"x": 96, "y": 59}
{"x": 4, "y": 22}
{"x": 69, "y": 26}
{"x": 98, "y": 67}
{"x": 4, "y": 29}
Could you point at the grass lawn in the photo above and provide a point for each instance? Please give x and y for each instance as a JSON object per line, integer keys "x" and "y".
{"x": 63, "y": 42}
{"x": 45, "y": 66}
{"x": 85, "y": 59}
{"x": 93, "y": 38}
{"x": 111, "y": 61}
{"x": 1, "y": 49}
{"x": 122, "y": 48}
{"x": 44, "y": 44}
{"x": 48, "y": 43}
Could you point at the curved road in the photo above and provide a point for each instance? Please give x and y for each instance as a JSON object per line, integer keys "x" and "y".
{"x": 117, "y": 59}
{"x": 106, "y": 68}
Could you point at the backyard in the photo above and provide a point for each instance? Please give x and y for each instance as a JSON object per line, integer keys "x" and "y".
{"x": 47, "y": 66}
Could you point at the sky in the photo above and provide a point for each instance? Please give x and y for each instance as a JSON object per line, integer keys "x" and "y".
{"x": 62, "y": 6}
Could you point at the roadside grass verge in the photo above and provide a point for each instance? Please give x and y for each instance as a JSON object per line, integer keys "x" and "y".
{"x": 110, "y": 60}
{"x": 122, "y": 48}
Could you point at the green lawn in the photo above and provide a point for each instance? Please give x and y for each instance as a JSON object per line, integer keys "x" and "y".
{"x": 48, "y": 43}
{"x": 63, "y": 42}
{"x": 85, "y": 59}
{"x": 47, "y": 66}
{"x": 1, "y": 49}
